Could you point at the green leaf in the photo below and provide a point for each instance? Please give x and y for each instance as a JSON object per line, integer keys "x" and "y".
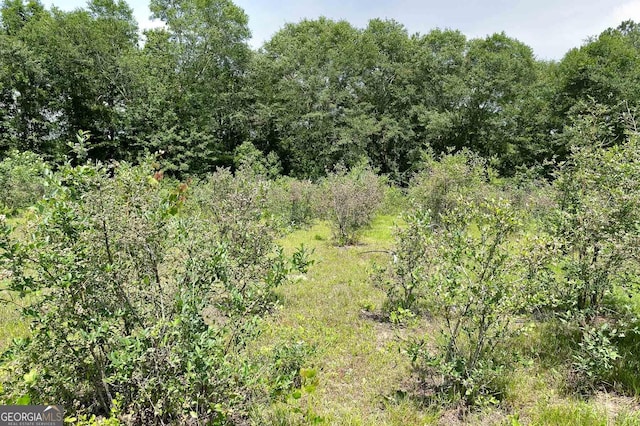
{"x": 24, "y": 400}
{"x": 31, "y": 377}
{"x": 308, "y": 373}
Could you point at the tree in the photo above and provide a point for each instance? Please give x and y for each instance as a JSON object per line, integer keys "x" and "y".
{"x": 306, "y": 80}
{"x": 74, "y": 78}
{"x": 193, "y": 71}
{"x": 16, "y": 14}
{"x": 606, "y": 70}
{"x": 501, "y": 73}
{"x": 24, "y": 97}
{"x": 390, "y": 91}
{"x": 439, "y": 65}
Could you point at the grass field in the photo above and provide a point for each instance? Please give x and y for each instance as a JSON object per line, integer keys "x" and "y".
{"x": 364, "y": 376}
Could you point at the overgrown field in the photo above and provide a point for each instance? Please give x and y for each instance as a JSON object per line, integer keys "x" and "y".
{"x": 130, "y": 297}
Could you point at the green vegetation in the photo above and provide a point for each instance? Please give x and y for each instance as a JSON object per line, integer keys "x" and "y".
{"x": 348, "y": 226}
{"x": 140, "y": 299}
{"x": 317, "y": 94}
{"x": 135, "y": 305}
{"x": 349, "y": 200}
{"x": 22, "y": 178}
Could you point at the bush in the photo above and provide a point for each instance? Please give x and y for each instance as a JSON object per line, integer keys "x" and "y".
{"x": 441, "y": 184}
{"x": 533, "y": 195}
{"x": 22, "y": 181}
{"x": 594, "y": 358}
{"x": 598, "y": 216}
{"x": 349, "y": 201}
{"x": 472, "y": 273}
{"x": 292, "y": 202}
{"x": 395, "y": 200}
{"x": 234, "y": 207}
{"x": 595, "y": 229}
{"x": 599, "y": 353}
{"x": 288, "y": 359}
{"x": 404, "y": 281}
{"x": 132, "y": 301}
{"x": 301, "y": 259}
{"x": 250, "y": 159}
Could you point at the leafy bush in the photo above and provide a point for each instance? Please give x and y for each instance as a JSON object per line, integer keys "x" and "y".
{"x": 22, "y": 180}
{"x": 395, "y": 200}
{"x": 288, "y": 360}
{"x": 598, "y": 216}
{"x": 599, "y": 353}
{"x": 404, "y": 282}
{"x": 130, "y": 300}
{"x": 234, "y": 207}
{"x": 349, "y": 201}
{"x": 473, "y": 274}
{"x": 594, "y": 358}
{"x": 292, "y": 202}
{"x": 441, "y": 184}
{"x": 301, "y": 259}
{"x": 249, "y": 159}
{"x": 533, "y": 195}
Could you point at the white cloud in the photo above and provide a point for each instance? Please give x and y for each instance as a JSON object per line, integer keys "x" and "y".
{"x": 626, "y": 11}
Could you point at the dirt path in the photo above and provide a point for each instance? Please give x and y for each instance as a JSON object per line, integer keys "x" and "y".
{"x": 358, "y": 360}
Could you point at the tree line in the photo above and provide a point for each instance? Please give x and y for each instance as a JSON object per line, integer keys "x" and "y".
{"x": 318, "y": 93}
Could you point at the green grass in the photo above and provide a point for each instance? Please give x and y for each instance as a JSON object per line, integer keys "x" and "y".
{"x": 11, "y": 322}
{"x": 595, "y": 413}
{"x": 358, "y": 359}
{"x": 365, "y": 378}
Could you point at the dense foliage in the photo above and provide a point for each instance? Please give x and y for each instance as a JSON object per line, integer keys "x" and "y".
{"x": 478, "y": 263}
{"x": 145, "y": 179}
{"x": 141, "y": 296}
{"x": 22, "y": 180}
{"x": 478, "y": 277}
{"x": 318, "y": 93}
{"x": 349, "y": 201}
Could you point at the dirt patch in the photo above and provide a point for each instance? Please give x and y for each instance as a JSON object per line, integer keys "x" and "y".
{"x": 613, "y": 405}
{"x": 4, "y": 274}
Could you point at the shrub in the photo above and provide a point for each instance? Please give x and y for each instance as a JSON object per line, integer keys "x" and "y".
{"x": 251, "y": 160}
{"x": 349, "y": 201}
{"x": 22, "y": 181}
{"x": 472, "y": 273}
{"x": 404, "y": 281}
{"x": 301, "y": 259}
{"x": 595, "y": 228}
{"x": 395, "y": 200}
{"x": 598, "y": 215}
{"x": 599, "y": 353}
{"x": 234, "y": 207}
{"x": 532, "y": 194}
{"x": 133, "y": 301}
{"x": 440, "y": 185}
{"x": 594, "y": 358}
{"x": 292, "y": 202}
{"x": 288, "y": 359}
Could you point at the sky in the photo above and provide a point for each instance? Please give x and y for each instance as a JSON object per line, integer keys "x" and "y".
{"x": 549, "y": 27}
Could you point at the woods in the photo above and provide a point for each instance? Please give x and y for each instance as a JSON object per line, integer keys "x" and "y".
{"x": 318, "y": 93}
